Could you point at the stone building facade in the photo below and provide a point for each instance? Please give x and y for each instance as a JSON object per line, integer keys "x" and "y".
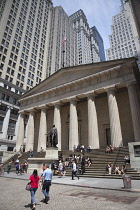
{"x": 9, "y": 108}
{"x": 93, "y": 104}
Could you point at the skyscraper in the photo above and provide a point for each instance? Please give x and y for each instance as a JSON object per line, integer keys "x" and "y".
{"x": 99, "y": 46}
{"x": 90, "y": 47}
{"x": 124, "y": 40}
{"x": 31, "y": 34}
{"x": 23, "y": 41}
{"x": 62, "y": 47}
{"x": 81, "y": 27}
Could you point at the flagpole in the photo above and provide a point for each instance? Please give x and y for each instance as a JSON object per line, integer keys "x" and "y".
{"x": 63, "y": 58}
{"x": 63, "y": 43}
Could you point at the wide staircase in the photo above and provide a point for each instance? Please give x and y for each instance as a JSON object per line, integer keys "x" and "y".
{"x": 22, "y": 159}
{"x": 99, "y": 161}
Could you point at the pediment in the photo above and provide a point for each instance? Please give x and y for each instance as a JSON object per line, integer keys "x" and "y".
{"x": 69, "y": 74}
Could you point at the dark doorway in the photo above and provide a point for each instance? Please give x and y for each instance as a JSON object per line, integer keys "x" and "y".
{"x": 108, "y": 136}
{"x": 10, "y": 148}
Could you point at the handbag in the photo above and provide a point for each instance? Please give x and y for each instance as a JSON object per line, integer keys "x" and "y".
{"x": 28, "y": 187}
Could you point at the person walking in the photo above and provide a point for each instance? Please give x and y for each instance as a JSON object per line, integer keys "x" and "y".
{"x": 33, "y": 181}
{"x": 74, "y": 170}
{"x": 47, "y": 178}
{"x": 9, "y": 167}
{"x": 60, "y": 169}
{"x": 17, "y": 168}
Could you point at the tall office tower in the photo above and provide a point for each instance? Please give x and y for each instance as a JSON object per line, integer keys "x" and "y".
{"x": 62, "y": 47}
{"x": 23, "y": 41}
{"x": 94, "y": 47}
{"x": 81, "y": 27}
{"x": 97, "y": 44}
{"x": 124, "y": 40}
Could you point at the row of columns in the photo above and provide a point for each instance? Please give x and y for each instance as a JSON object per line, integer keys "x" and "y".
{"x": 5, "y": 125}
{"x": 93, "y": 135}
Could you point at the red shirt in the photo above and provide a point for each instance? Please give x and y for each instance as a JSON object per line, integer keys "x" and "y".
{"x": 34, "y": 181}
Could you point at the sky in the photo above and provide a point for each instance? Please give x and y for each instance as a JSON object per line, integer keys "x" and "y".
{"x": 99, "y": 13}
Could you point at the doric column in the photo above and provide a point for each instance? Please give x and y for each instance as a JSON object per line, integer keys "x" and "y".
{"x": 20, "y": 134}
{"x": 135, "y": 109}
{"x": 93, "y": 135}
{"x": 73, "y": 130}
{"x": 16, "y": 128}
{"x": 42, "y": 131}
{"x": 115, "y": 126}
{"x": 30, "y": 132}
{"x": 6, "y": 123}
{"x": 57, "y": 123}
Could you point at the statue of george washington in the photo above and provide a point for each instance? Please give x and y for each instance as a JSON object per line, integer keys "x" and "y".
{"x": 53, "y": 136}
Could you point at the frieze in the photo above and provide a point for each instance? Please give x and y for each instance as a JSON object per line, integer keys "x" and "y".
{"x": 68, "y": 89}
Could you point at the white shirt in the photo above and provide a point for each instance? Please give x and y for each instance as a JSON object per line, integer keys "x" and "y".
{"x": 74, "y": 167}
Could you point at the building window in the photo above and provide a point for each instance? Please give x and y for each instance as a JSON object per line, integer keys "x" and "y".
{"x": 7, "y": 98}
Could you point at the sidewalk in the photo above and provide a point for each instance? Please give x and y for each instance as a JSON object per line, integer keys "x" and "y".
{"x": 99, "y": 183}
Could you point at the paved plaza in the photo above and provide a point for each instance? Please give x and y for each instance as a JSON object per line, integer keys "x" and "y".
{"x": 67, "y": 194}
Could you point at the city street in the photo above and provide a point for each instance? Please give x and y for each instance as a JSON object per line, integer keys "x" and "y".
{"x": 63, "y": 197}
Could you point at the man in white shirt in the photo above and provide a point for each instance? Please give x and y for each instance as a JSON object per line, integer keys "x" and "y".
{"x": 74, "y": 170}
{"x": 47, "y": 178}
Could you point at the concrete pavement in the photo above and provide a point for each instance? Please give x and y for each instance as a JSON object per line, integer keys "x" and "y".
{"x": 99, "y": 183}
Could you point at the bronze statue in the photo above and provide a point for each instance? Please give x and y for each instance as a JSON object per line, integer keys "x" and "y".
{"x": 53, "y": 136}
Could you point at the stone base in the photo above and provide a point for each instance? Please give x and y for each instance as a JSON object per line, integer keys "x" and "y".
{"x": 134, "y": 156}
{"x": 37, "y": 163}
{"x": 52, "y": 153}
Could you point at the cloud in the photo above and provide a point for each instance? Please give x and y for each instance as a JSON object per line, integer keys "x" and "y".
{"x": 98, "y": 13}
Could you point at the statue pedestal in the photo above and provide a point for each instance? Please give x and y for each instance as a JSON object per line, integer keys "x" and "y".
{"x": 52, "y": 153}
{"x": 36, "y": 163}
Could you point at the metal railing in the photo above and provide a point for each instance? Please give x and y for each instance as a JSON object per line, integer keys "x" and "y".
{"x": 117, "y": 155}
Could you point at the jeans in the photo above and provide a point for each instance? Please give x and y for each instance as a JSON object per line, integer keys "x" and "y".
{"x": 33, "y": 191}
{"x": 46, "y": 188}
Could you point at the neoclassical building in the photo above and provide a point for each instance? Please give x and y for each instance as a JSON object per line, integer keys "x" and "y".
{"x": 93, "y": 104}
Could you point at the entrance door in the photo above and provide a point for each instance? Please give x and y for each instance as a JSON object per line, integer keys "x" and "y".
{"x": 108, "y": 136}
{"x": 67, "y": 144}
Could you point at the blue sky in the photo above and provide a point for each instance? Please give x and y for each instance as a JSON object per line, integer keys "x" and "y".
{"x": 98, "y": 13}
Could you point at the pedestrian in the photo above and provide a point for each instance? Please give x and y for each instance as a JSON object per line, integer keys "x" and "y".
{"x": 21, "y": 148}
{"x": 43, "y": 169}
{"x": 9, "y": 167}
{"x": 46, "y": 178}
{"x": 64, "y": 169}
{"x": 17, "y": 161}
{"x": 74, "y": 170}
{"x": 33, "y": 181}
{"x": 17, "y": 168}
{"x": 60, "y": 169}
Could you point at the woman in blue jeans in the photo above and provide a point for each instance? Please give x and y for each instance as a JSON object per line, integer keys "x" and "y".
{"x": 33, "y": 181}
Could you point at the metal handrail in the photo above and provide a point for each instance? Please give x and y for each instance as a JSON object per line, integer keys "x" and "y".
{"x": 117, "y": 155}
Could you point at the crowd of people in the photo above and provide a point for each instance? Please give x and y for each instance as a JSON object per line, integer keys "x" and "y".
{"x": 80, "y": 160}
{"x": 116, "y": 169}
{"x": 20, "y": 167}
{"x": 109, "y": 149}
{"x": 81, "y": 148}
